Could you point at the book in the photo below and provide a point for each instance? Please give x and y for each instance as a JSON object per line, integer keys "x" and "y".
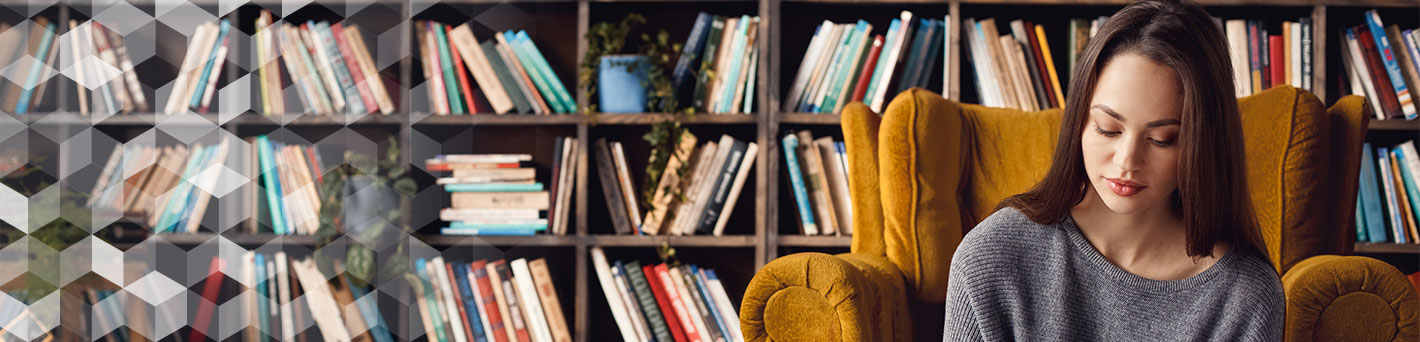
{"x": 1387, "y": 56}
{"x": 817, "y": 184}
{"x": 720, "y": 188}
{"x": 734, "y": 195}
{"x": 531, "y": 304}
{"x": 475, "y": 56}
{"x": 649, "y": 308}
{"x": 613, "y": 297}
{"x": 547, "y": 295}
{"x": 807, "y": 226}
{"x": 653, "y": 282}
{"x": 611, "y": 190}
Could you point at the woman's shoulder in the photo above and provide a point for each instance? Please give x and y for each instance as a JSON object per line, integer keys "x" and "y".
{"x": 1253, "y": 274}
{"x": 1008, "y": 233}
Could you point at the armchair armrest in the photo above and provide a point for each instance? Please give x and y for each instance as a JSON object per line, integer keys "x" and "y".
{"x": 821, "y": 297}
{"x": 1335, "y": 298}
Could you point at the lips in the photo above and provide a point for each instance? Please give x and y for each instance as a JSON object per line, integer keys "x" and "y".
{"x": 1124, "y": 187}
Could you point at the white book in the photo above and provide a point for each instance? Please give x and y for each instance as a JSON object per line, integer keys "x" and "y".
{"x": 197, "y": 49}
{"x": 1358, "y": 63}
{"x": 825, "y": 59}
{"x": 283, "y": 281}
{"x": 835, "y": 62}
{"x": 633, "y": 308}
{"x": 628, "y": 190}
{"x": 565, "y": 185}
{"x": 249, "y": 301}
{"x": 527, "y": 292}
{"x": 722, "y": 302}
{"x": 613, "y": 297}
{"x": 367, "y": 67}
{"x": 216, "y": 71}
{"x": 1237, "y": 46}
{"x": 323, "y": 67}
{"x": 273, "y": 306}
{"x": 894, "y": 55}
{"x": 701, "y": 171}
{"x": 837, "y": 184}
{"x": 324, "y": 310}
{"x": 811, "y": 60}
{"x": 951, "y": 27}
{"x": 1294, "y": 45}
{"x": 722, "y": 65}
{"x": 734, "y": 196}
{"x": 440, "y": 276}
{"x": 705, "y": 186}
{"x": 473, "y": 56}
{"x": 687, "y": 300}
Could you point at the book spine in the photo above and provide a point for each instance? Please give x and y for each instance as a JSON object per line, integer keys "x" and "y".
{"x": 721, "y": 188}
{"x": 869, "y": 65}
{"x": 496, "y": 324}
{"x": 446, "y": 65}
{"x": 712, "y": 327}
{"x": 684, "y": 73}
{"x": 559, "y": 91}
{"x": 1376, "y": 67}
{"x": 551, "y": 306}
{"x": 196, "y": 99}
{"x": 532, "y": 306}
{"x": 604, "y": 278}
{"x": 1387, "y": 180}
{"x": 796, "y": 180}
{"x": 735, "y": 189}
{"x": 628, "y": 299}
{"x": 48, "y": 38}
{"x": 611, "y": 191}
{"x": 468, "y": 305}
{"x": 516, "y": 308}
{"x": 352, "y": 64}
{"x": 647, "y": 300}
{"x": 678, "y": 304}
{"x": 1307, "y": 82}
{"x": 667, "y": 312}
{"x": 503, "y": 72}
{"x": 1277, "y": 63}
{"x": 1392, "y": 69}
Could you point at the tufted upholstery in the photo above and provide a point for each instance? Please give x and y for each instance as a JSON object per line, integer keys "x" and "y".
{"x": 928, "y": 169}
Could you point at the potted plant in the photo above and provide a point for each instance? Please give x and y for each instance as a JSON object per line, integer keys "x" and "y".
{"x": 614, "y": 78}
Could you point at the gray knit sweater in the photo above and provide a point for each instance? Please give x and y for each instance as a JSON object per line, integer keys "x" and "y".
{"x": 1013, "y": 279}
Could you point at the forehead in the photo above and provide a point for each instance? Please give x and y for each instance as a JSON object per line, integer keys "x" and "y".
{"x": 1139, "y": 89}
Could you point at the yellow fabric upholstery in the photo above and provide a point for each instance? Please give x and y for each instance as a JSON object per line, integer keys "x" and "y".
{"x": 1349, "y": 298}
{"x": 933, "y": 168}
{"x": 860, "y": 135}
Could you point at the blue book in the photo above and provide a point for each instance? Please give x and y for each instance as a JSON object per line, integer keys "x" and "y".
{"x": 207, "y": 68}
{"x": 487, "y": 232}
{"x": 262, "y": 299}
{"x": 270, "y": 184}
{"x": 847, "y": 62}
{"x": 535, "y": 55}
{"x": 727, "y": 98}
{"x": 796, "y": 179}
{"x": 1371, "y": 196}
{"x": 371, "y": 312}
{"x": 702, "y": 285}
{"x": 1407, "y": 177}
{"x": 492, "y": 187}
{"x": 280, "y": 191}
{"x": 1392, "y": 68}
{"x": 882, "y": 61}
{"x": 470, "y": 305}
{"x": 1360, "y": 221}
{"x": 422, "y": 272}
{"x": 524, "y": 57}
{"x": 812, "y": 106}
{"x": 337, "y": 64}
{"x": 684, "y": 73}
{"x": 35, "y": 69}
{"x": 177, "y": 196}
{"x": 1392, "y": 197}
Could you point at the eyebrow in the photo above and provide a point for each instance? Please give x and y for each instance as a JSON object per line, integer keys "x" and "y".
{"x": 1152, "y": 124}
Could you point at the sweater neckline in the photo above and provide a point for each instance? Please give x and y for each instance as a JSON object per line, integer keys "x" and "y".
{"x": 1084, "y": 248}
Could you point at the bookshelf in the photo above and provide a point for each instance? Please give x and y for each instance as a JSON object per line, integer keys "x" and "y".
{"x": 762, "y": 226}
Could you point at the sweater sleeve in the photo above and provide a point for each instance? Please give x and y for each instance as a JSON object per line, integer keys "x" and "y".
{"x": 960, "y": 322}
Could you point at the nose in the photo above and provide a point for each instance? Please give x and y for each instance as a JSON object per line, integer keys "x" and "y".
{"x": 1129, "y": 153}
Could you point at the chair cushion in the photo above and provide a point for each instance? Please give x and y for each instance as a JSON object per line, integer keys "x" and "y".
{"x": 1349, "y": 298}
{"x": 1287, "y": 142}
{"x": 1011, "y": 150}
{"x": 860, "y": 135}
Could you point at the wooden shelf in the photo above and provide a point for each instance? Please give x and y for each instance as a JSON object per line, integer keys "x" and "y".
{"x": 653, "y": 118}
{"x": 811, "y": 119}
{"x": 673, "y": 241}
{"x": 815, "y": 241}
{"x": 1395, "y": 125}
{"x": 253, "y": 119}
{"x": 501, "y": 241}
{"x": 501, "y": 120}
{"x": 1387, "y": 248}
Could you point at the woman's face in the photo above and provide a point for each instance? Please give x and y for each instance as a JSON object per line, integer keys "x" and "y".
{"x": 1130, "y": 142}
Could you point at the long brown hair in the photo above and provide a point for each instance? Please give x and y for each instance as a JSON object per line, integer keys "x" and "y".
{"x": 1212, "y": 190}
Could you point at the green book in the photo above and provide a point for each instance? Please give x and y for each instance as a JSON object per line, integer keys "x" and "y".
{"x": 492, "y": 187}
{"x": 850, "y": 60}
{"x": 421, "y": 267}
{"x": 717, "y": 29}
{"x": 268, "y": 176}
{"x": 506, "y": 78}
{"x": 709, "y": 318}
{"x": 560, "y": 92}
{"x": 637, "y": 278}
{"x": 914, "y": 57}
{"x": 531, "y": 69}
{"x": 446, "y": 63}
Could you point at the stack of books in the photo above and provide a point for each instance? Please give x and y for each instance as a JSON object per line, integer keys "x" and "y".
{"x": 143, "y": 181}
{"x": 848, "y": 63}
{"x": 290, "y": 175}
{"x": 718, "y": 67}
{"x": 496, "y": 194}
{"x": 102, "y": 55}
{"x": 329, "y": 64}
{"x": 488, "y": 301}
{"x": 818, "y": 177}
{"x": 197, "y": 77}
{"x": 290, "y": 291}
{"x": 42, "y": 45}
{"x": 1014, "y": 70}
{"x": 699, "y": 201}
{"x": 1388, "y": 202}
{"x": 1382, "y": 63}
{"x": 666, "y": 302}
{"x": 1262, "y": 60}
{"x": 508, "y": 70}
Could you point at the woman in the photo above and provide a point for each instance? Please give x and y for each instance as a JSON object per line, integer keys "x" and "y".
{"x": 1142, "y": 229}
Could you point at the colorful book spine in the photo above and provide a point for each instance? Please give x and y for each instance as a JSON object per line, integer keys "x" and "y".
{"x": 1371, "y": 196}
{"x": 352, "y": 63}
{"x": 559, "y": 91}
{"x": 727, "y": 97}
{"x": 35, "y": 68}
{"x": 492, "y": 187}
{"x": 202, "y": 79}
{"x": 1392, "y": 68}
{"x": 1392, "y": 197}
{"x": 451, "y": 85}
{"x": 796, "y": 180}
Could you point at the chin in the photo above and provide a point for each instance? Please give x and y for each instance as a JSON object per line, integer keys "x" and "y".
{"x": 1138, "y": 203}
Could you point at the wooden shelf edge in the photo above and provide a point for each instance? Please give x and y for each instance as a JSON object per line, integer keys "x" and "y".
{"x": 815, "y": 241}
{"x": 674, "y": 241}
{"x": 501, "y": 241}
{"x": 653, "y": 118}
{"x": 811, "y": 118}
{"x": 1386, "y": 248}
{"x": 1412, "y": 125}
{"x": 497, "y": 119}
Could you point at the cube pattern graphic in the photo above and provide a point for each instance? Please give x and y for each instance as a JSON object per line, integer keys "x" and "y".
{"x": 57, "y": 240}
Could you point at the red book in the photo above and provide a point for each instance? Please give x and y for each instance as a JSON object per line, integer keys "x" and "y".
{"x": 673, "y": 296}
{"x": 468, "y": 166}
{"x": 458, "y": 299}
{"x": 495, "y": 329}
{"x": 463, "y": 73}
{"x": 1040, "y": 65}
{"x": 867, "y": 75}
{"x": 209, "y": 293}
{"x": 654, "y": 282}
{"x": 1278, "y": 64}
{"x": 515, "y": 304}
{"x": 348, "y": 54}
{"x": 1384, "y": 90}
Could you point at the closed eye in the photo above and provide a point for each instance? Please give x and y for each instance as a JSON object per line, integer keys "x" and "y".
{"x": 1103, "y": 132}
{"x": 1161, "y": 143}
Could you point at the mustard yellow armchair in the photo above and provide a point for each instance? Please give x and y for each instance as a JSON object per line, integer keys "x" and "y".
{"x": 929, "y": 169}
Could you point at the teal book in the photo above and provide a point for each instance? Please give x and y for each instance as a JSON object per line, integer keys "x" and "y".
{"x": 883, "y": 61}
{"x": 796, "y": 180}
{"x": 848, "y": 62}
{"x": 532, "y": 70}
{"x": 35, "y": 69}
{"x": 505, "y": 77}
{"x": 342, "y": 74}
{"x": 177, "y": 196}
{"x": 312, "y": 78}
{"x": 538, "y": 224}
{"x": 727, "y": 94}
{"x": 813, "y": 103}
{"x": 261, "y": 299}
{"x": 703, "y": 285}
{"x": 420, "y": 266}
{"x": 561, "y": 93}
{"x": 492, "y": 187}
{"x": 493, "y": 229}
{"x": 446, "y": 63}
{"x": 271, "y": 184}
{"x": 207, "y": 68}
{"x": 371, "y": 312}
{"x": 1407, "y": 175}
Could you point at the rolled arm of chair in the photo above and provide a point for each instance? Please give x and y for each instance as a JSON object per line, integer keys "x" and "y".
{"x": 821, "y": 297}
{"x": 1349, "y": 298}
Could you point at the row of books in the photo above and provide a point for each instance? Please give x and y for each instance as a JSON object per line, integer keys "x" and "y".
{"x": 492, "y": 301}
{"x": 718, "y": 67}
{"x": 329, "y": 65}
{"x": 102, "y": 62}
{"x": 1263, "y": 60}
{"x": 698, "y": 201}
{"x": 848, "y": 63}
{"x": 818, "y": 177}
{"x": 497, "y": 194}
{"x": 291, "y": 294}
{"x": 168, "y": 187}
{"x": 197, "y": 77}
{"x": 41, "y": 47}
{"x": 1382, "y": 63}
{"x": 1388, "y": 203}
{"x": 666, "y": 303}
{"x": 1013, "y": 70}
{"x": 509, "y": 70}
